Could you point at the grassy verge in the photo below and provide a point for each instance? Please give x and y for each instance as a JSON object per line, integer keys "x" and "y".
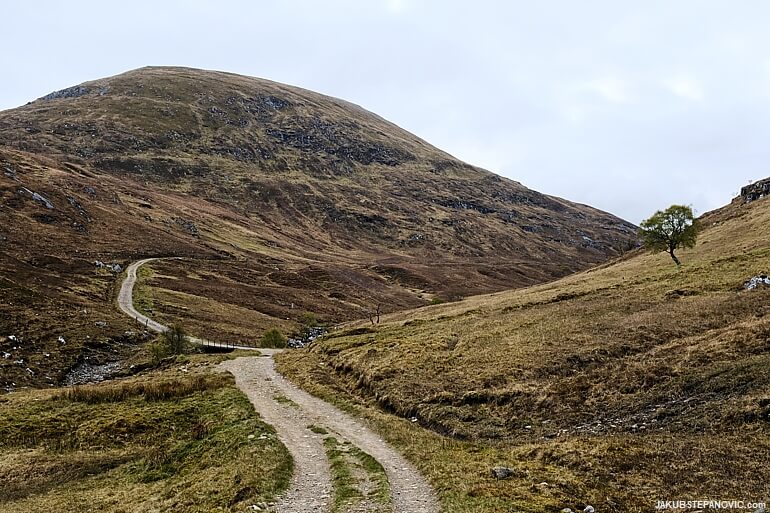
{"x": 458, "y": 470}
{"x": 356, "y": 477}
{"x": 615, "y": 387}
{"x": 615, "y": 472}
{"x": 345, "y": 490}
{"x": 181, "y": 441}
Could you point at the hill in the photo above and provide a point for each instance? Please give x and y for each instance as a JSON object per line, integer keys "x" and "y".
{"x": 625, "y": 384}
{"x": 281, "y": 201}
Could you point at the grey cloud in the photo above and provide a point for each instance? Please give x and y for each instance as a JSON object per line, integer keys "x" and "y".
{"x": 625, "y": 106}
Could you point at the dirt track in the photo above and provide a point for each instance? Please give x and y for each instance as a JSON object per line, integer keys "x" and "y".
{"x": 126, "y": 297}
{"x": 291, "y": 412}
{"x": 310, "y": 491}
{"x": 126, "y": 304}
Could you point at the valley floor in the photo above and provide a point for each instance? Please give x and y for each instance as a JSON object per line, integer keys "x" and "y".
{"x": 633, "y": 382}
{"x": 617, "y": 387}
{"x": 300, "y": 420}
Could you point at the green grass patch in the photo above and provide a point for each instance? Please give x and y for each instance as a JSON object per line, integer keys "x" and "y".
{"x": 376, "y": 473}
{"x": 356, "y": 477}
{"x": 155, "y": 443}
{"x": 282, "y": 399}
{"x": 346, "y": 491}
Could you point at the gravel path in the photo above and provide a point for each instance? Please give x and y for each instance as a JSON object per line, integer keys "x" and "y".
{"x": 126, "y": 298}
{"x": 126, "y": 304}
{"x": 291, "y": 412}
{"x": 311, "y": 488}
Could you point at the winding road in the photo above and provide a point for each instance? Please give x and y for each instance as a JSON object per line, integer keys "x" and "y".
{"x": 126, "y": 305}
{"x": 292, "y": 412}
{"x": 126, "y": 298}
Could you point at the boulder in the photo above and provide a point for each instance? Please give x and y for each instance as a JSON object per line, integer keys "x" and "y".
{"x": 756, "y": 190}
{"x": 756, "y": 281}
{"x": 39, "y": 198}
{"x": 501, "y": 472}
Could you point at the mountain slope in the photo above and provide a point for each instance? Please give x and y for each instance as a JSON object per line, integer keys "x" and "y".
{"x": 282, "y": 201}
{"x": 298, "y": 161}
{"x": 628, "y": 383}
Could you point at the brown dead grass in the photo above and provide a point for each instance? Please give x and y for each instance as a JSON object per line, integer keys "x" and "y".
{"x": 337, "y": 212}
{"x": 153, "y": 390}
{"x": 180, "y": 439}
{"x": 616, "y": 386}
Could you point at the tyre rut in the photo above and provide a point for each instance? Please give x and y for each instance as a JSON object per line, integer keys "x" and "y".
{"x": 291, "y": 411}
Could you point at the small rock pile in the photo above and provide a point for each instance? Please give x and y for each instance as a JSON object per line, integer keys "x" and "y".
{"x": 501, "y": 472}
{"x": 587, "y": 509}
{"x": 308, "y": 336}
{"x": 756, "y": 281}
{"x": 115, "y": 268}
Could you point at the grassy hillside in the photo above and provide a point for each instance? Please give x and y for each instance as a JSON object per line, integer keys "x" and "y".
{"x": 312, "y": 173}
{"x": 281, "y": 201}
{"x": 179, "y": 439}
{"x": 614, "y": 387}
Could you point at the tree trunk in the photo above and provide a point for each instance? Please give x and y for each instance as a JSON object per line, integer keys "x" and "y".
{"x": 673, "y": 256}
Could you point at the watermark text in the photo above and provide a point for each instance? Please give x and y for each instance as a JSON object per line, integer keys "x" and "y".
{"x": 710, "y": 504}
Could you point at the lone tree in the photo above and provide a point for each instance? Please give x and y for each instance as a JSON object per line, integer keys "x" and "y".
{"x": 171, "y": 342}
{"x": 175, "y": 339}
{"x": 669, "y": 230}
{"x": 273, "y": 338}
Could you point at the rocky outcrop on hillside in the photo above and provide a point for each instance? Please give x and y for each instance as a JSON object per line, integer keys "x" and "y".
{"x": 755, "y": 191}
{"x": 307, "y": 202}
{"x": 288, "y": 157}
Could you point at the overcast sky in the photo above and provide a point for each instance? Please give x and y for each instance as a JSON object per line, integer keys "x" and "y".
{"x": 626, "y": 106}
